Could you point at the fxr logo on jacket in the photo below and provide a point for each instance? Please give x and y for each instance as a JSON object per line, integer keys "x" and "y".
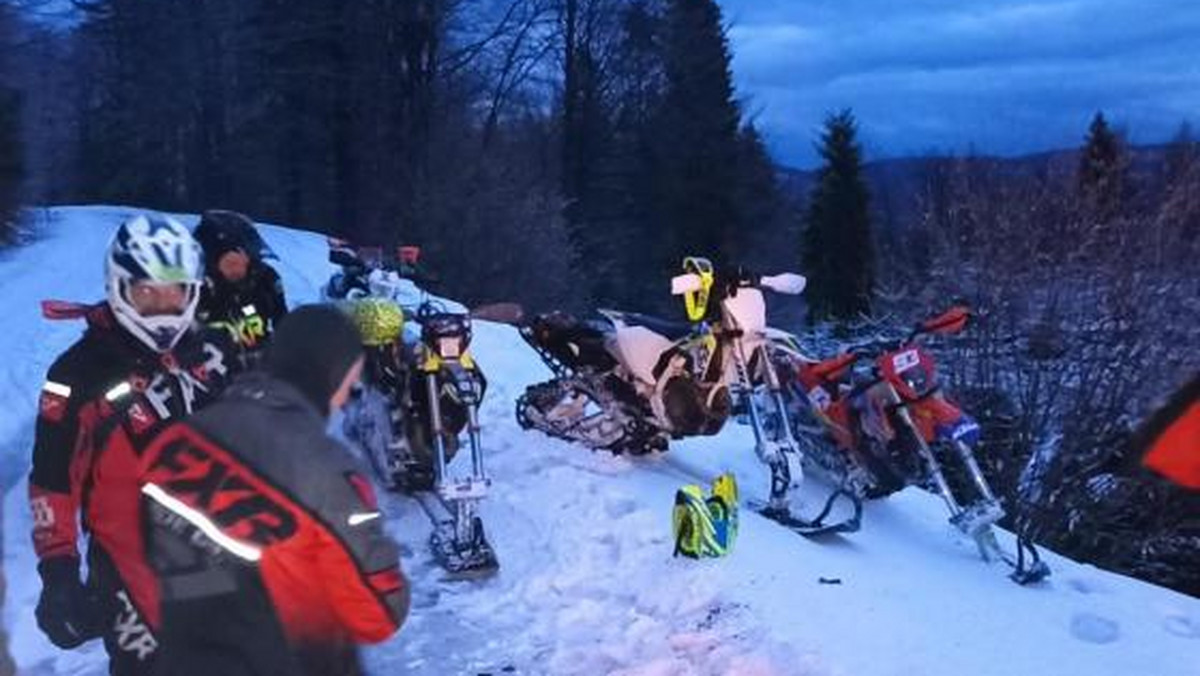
{"x": 228, "y": 504}
{"x": 132, "y": 634}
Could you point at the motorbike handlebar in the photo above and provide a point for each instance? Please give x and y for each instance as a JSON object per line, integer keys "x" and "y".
{"x": 789, "y": 283}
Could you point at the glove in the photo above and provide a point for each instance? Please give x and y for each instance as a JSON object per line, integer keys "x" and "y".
{"x": 67, "y": 613}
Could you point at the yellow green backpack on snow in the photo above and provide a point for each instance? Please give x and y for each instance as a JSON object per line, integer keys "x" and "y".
{"x": 706, "y": 525}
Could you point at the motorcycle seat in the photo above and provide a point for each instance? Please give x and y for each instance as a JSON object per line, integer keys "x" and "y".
{"x": 571, "y": 341}
{"x": 669, "y": 329}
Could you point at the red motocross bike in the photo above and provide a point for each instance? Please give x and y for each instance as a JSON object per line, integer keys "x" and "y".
{"x": 882, "y": 422}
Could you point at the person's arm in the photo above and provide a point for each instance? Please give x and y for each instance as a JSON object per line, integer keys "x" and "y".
{"x": 369, "y": 591}
{"x": 64, "y": 611}
{"x": 51, "y": 501}
{"x": 277, "y": 307}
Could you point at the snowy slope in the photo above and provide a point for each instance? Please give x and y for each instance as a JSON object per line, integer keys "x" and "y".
{"x": 588, "y": 585}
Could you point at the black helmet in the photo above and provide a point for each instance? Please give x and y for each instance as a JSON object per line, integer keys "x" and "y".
{"x": 221, "y": 231}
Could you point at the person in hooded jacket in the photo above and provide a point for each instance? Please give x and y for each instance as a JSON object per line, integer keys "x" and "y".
{"x": 141, "y": 363}
{"x": 242, "y": 293}
{"x": 264, "y": 532}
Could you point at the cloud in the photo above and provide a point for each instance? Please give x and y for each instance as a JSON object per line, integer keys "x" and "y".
{"x": 1002, "y": 76}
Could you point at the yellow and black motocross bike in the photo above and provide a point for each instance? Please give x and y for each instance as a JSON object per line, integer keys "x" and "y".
{"x": 419, "y": 395}
{"x": 628, "y": 382}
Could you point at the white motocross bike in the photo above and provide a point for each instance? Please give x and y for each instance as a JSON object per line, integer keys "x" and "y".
{"x": 628, "y": 382}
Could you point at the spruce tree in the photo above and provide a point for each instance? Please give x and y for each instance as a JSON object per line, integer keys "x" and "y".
{"x": 1102, "y": 169}
{"x": 839, "y": 257}
{"x": 587, "y": 156}
{"x": 761, "y": 208}
{"x": 697, "y": 135}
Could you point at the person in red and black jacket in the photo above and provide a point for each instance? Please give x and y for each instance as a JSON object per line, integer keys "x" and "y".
{"x": 139, "y": 364}
{"x": 264, "y": 531}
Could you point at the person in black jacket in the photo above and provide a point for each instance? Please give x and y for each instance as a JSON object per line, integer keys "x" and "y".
{"x": 264, "y": 532}
{"x": 140, "y": 364}
{"x": 242, "y": 293}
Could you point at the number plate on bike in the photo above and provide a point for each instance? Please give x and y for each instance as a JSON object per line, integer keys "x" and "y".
{"x": 449, "y": 347}
{"x": 906, "y": 360}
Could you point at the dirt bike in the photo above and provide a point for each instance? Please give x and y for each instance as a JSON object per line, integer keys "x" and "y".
{"x": 628, "y": 382}
{"x": 890, "y": 425}
{"x": 416, "y": 399}
{"x": 359, "y": 265}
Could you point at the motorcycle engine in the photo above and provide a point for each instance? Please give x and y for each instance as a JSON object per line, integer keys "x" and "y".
{"x": 694, "y": 408}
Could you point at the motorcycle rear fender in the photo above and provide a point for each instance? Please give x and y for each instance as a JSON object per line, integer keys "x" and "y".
{"x": 639, "y": 349}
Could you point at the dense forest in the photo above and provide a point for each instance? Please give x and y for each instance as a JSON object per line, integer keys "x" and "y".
{"x": 568, "y": 153}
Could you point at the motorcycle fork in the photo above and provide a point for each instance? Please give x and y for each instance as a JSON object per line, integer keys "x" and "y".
{"x": 935, "y": 467}
{"x": 767, "y": 450}
{"x": 775, "y": 387}
{"x": 968, "y": 458}
{"x": 463, "y": 506}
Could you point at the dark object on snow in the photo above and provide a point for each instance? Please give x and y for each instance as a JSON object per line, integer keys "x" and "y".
{"x": 829, "y": 580}
{"x": 1170, "y": 440}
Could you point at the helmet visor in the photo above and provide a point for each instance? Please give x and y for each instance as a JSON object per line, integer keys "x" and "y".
{"x": 156, "y": 299}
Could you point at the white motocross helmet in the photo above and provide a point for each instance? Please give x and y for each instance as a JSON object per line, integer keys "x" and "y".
{"x": 153, "y": 248}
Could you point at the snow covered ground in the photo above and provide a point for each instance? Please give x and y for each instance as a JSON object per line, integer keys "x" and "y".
{"x": 588, "y": 585}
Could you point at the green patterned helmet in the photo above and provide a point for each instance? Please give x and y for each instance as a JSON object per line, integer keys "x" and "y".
{"x": 380, "y": 321}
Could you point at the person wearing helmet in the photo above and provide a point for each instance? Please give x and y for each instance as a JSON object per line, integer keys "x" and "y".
{"x": 140, "y": 363}
{"x": 280, "y": 564}
{"x": 242, "y": 293}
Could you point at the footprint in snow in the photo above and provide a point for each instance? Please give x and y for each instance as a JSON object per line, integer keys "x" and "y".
{"x": 1085, "y": 586}
{"x": 1092, "y": 628}
{"x": 1182, "y": 626}
{"x": 618, "y": 507}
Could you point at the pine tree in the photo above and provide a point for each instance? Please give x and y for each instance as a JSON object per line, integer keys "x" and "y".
{"x": 587, "y": 151}
{"x": 626, "y": 191}
{"x": 761, "y": 208}
{"x": 839, "y": 257}
{"x": 1102, "y": 169}
{"x": 697, "y": 133}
